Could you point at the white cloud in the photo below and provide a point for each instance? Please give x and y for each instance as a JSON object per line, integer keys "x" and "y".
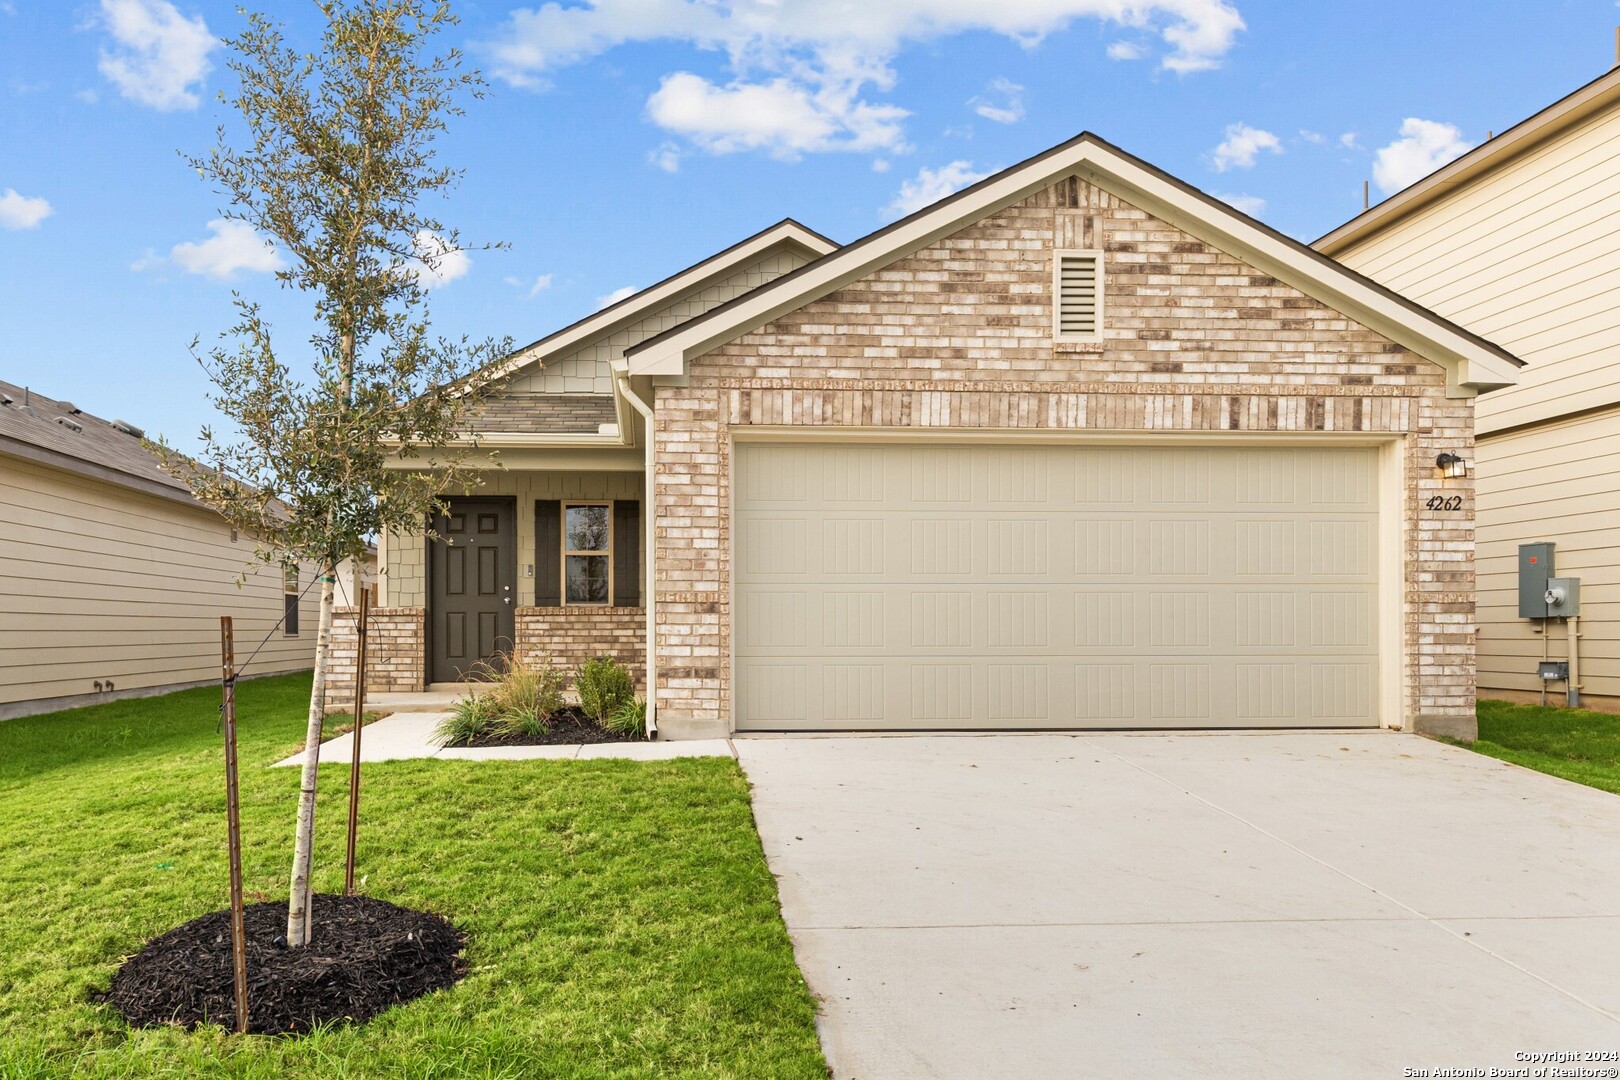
{"x": 1252, "y": 205}
{"x": 1002, "y": 102}
{"x": 437, "y": 263}
{"x": 158, "y": 53}
{"x": 234, "y": 246}
{"x": 931, "y": 185}
{"x": 1126, "y": 50}
{"x": 801, "y": 72}
{"x": 615, "y": 296}
{"x": 880, "y": 165}
{"x": 532, "y": 287}
{"x": 21, "y": 211}
{"x": 1314, "y": 137}
{"x": 1241, "y": 145}
{"x": 666, "y": 157}
{"x": 88, "y": 96}
{"x": 1348, "y": 141}
{"x": 781, "y": 117}
{"x": 1423, "y": 147}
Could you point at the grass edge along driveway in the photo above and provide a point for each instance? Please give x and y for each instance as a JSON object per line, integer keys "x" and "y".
{"x": 1575, "y": 744}
{"x": 621, "y": 919}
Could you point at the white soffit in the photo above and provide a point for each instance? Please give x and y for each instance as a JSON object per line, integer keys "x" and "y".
{"x": 1473, "y": 364}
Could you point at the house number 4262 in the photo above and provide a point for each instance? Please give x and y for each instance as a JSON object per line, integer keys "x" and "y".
{"x": 1444, "y": 502}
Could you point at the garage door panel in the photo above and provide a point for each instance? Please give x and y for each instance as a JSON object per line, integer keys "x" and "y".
{"x": 1050, "y": 587}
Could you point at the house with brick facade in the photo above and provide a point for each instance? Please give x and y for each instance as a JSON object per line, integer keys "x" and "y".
{"x": 1076, "y": 447}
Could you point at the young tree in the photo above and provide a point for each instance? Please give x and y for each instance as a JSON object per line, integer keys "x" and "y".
{"x": 334, "y": 162}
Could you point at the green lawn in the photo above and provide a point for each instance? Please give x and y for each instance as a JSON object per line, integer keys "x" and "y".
{"x": 1576, "y": 744}
{"x": 620, "y": 915}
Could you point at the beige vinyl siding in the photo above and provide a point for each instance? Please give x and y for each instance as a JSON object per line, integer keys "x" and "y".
{"x": 586, "y": 370}
{"x": 1526, "y": 256}
{"x": 404, "y": 580}
{"x": 1558, "y": 482}
{"x": 102, "y": 582}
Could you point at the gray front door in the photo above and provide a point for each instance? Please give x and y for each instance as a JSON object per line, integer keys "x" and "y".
{"x": 472, "y": 574}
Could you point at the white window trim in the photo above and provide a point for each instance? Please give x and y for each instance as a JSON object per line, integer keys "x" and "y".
{"x": 567, "y": 551}
{"x": 1058, "y": 256}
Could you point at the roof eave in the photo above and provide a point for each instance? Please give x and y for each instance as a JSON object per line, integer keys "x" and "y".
{"x": 1518, "y": 140}
{"x": 1472, "y": 364}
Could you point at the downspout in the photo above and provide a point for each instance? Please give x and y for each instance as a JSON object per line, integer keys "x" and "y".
{"x": 648, "y": 517}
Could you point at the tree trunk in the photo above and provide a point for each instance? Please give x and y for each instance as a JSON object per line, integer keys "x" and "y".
{"x": 299, "y": 899}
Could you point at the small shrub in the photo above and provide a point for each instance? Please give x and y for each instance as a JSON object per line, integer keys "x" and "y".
{"x": 530, "y": 689}
{"x": 524, "y": 722}
{"x": 604, "y": 684}
{"x": 469, "y": 718}
{"x": 629, "y": 719}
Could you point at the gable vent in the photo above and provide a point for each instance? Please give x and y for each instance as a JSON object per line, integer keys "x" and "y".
{"x": 1079, "y": 294}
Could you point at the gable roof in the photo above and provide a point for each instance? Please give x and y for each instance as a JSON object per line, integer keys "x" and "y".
{"x": 29, "y": 429}
{"x": 1601, "y": 93}
{"x": 785, "y": 233}
{"x": 1472, "y": 363}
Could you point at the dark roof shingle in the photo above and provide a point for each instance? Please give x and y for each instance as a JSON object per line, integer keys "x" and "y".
{"x": 544, "y": 414}
{"x": 31, "y": 419}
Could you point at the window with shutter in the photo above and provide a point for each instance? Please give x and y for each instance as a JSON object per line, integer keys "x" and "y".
{"x": 1078, "y": 287}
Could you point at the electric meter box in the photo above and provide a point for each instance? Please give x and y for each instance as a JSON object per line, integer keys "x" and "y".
{"x": 1563, "y": 597}
{"x": 1535, "y": 568}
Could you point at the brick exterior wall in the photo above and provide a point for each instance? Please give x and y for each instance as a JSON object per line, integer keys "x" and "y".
{"x": 959, "y": 336}
{"x": 568, "y": 636}
{"x": 395, "y": 660}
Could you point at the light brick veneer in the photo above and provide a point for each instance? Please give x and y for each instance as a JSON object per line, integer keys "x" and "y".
{"x": 958, "y": 336}
{"x": 568, "y": 636}
{"x": 395, "y": 660}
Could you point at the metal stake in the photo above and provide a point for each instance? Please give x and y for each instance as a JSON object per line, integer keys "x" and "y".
{"x": 359, "y": 721}
{"x": 233, "y": 818}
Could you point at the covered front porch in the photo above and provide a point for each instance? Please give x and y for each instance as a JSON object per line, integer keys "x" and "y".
{"x": 546, "y": 565}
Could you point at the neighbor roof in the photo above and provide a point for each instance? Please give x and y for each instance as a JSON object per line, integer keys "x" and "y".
{"x": 30, "y": 428}
{"x": 1471, "y": 361}
{"x": 1599, "y": 94}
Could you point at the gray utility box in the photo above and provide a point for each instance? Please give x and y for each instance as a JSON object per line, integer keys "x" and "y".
{"x": 1563, "y": 597}
{"x": 1535, "y": 568}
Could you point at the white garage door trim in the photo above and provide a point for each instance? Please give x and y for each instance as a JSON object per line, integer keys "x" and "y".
{"x": 1388, "y": 476}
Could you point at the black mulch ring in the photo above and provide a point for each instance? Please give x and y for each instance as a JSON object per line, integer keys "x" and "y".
{"x": 364, "y": 956}
{"x": 569, "y": 726}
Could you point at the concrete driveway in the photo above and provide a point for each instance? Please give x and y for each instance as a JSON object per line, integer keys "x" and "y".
{"x": 1291, "y": 905}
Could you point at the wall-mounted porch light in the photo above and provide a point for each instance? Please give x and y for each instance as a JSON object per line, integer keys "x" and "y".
{"x": 1451, "y": 466}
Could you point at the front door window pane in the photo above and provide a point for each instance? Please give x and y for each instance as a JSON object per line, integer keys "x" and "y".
{"x": 587, "y": 579}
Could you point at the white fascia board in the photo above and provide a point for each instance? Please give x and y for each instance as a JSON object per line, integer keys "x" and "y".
{"x": 664, "y": 293}
{"x": 1472, "y": 368}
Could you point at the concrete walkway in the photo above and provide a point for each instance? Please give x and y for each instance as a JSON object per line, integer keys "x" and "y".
{"x": 410, "y": 735}
{"x": 1290, "y": 905}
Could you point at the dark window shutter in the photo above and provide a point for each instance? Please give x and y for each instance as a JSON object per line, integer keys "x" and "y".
{"x": 289, "y": 611}
{"x": 627, "y": 553}
{"x": 547, "y": 553}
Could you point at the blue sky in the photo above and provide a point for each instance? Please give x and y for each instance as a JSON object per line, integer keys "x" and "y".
{"x": 625, "y": 139}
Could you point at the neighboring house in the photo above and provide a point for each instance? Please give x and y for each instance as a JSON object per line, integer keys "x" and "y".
{"x": 112, "y": 577}
{"x": 1519, "y": 240}
{"x": 1077, "y": 447}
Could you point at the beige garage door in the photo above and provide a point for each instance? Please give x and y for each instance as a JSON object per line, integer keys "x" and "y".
{"x": 936, "y": 586}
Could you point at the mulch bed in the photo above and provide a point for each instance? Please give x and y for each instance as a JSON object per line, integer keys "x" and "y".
{"x": 568, "y": 727}
{"x": 364, "y": 956}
